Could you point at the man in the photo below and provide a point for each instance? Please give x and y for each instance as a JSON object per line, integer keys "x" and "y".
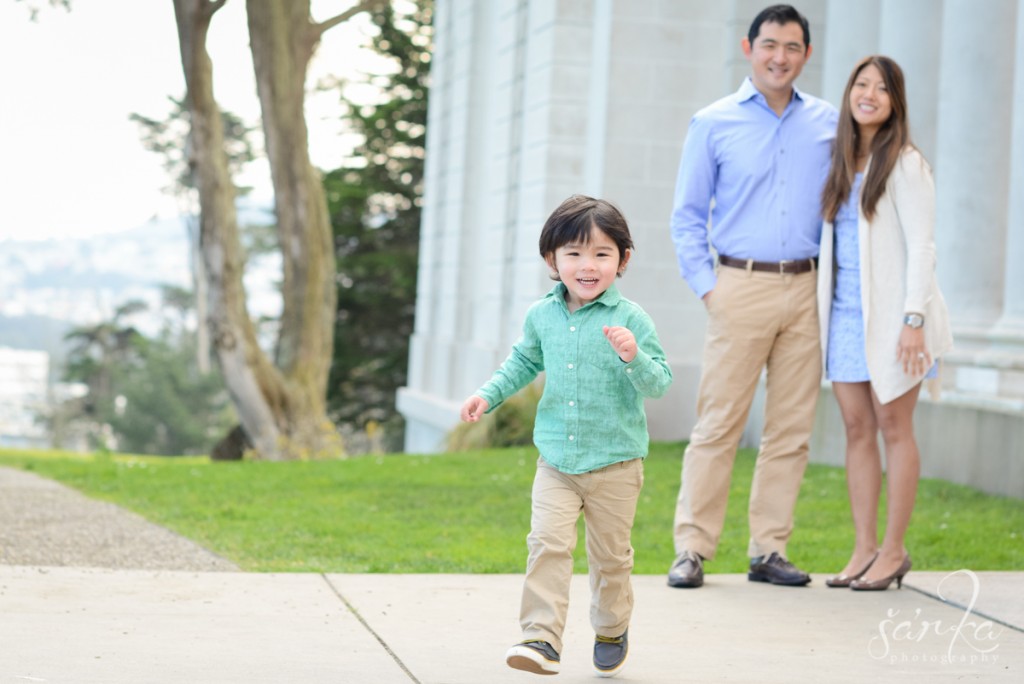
{"x": 761, "y": 155}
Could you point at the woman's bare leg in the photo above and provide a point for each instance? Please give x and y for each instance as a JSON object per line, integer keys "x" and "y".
{"x": 903, "y": 468}
{"x": 863, "y": 469}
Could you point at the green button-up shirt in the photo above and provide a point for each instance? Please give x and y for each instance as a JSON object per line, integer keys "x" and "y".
{"x": 591, "y": 414}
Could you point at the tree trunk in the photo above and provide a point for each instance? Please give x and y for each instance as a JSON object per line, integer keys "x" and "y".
{"x": 199, "y": 292}
{"x": 256, "y": 388}
{"x": 282, "y": 407}
{"x": 283, "y": 37}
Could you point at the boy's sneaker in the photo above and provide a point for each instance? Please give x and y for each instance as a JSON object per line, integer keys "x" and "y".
{"x": 534, "y": 656}
{"x": 610, "y": 654}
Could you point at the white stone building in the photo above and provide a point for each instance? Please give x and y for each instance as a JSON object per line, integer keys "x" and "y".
{"x": 533, "y": 100}
{"x": 24, "y": 378}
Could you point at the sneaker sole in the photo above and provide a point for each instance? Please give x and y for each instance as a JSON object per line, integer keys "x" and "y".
{"x": 528, "y": 660}
{"x": 758, "y": 577}
{"x": 615, "y": 670}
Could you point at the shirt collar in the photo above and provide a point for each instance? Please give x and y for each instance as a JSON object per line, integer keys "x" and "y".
{"x": 747, "y": 91}
{"x": 609, "y": 297}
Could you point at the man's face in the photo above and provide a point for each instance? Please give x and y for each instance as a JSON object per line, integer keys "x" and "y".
{"x": 777, "y": 56}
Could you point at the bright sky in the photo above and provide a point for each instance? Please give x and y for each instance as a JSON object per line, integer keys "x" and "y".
{"x": 71, "y": 162}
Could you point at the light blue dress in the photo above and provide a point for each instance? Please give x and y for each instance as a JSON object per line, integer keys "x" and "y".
{"x": 846, "y": 361}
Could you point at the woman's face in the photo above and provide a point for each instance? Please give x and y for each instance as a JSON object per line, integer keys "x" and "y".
{"x": 869, "y": 99}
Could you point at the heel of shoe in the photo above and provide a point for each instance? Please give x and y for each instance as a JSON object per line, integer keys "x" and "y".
{"x": 902, "y": 572}
{"x": 883, "y": 583}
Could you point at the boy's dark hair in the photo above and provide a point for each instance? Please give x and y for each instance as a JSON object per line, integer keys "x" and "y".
{"x": 572, "y": 220}
{"x": 781, "y": 15}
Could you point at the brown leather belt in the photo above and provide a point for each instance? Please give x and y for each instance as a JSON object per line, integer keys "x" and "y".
{"x": 791, "y": 267}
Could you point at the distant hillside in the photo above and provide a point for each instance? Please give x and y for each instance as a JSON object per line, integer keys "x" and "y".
{"x": 49, "y": 286}
{"x": 34, "y": 332}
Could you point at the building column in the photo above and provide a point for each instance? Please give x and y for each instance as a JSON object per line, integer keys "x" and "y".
{"x": 909, "y": 34}
{"x": 851, "y": 33}
{"x": 1012, "y": 322}
{"x": 973, "y": 158}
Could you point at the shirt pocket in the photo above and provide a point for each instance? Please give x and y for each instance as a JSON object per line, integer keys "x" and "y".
{"x": 607, "y": 361}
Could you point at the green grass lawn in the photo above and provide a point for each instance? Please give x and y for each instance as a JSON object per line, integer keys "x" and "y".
{"x": 470, "y": 512}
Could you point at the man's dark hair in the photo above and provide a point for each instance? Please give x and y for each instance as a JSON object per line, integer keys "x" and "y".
{"x": 781, "y": 15}
{"x": 572, "y": 221}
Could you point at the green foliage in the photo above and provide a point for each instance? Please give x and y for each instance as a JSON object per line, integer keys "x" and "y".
{"x": 170, "y": 138}
{"x": 35, "y": 7}
{"x": 375, "y": 203}
{"x": 168, "y": 407}
{"x": 470, "y": 512}
{"x": 511, "y": 424}
{"x": 94, "y": 353}
{"x": 146, "y": 395}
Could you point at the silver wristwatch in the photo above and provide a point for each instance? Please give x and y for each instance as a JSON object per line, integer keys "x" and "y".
{"x": 914, "y": 320}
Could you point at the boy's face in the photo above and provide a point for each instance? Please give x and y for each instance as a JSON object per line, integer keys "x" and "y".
{"x": 587, "y": 269}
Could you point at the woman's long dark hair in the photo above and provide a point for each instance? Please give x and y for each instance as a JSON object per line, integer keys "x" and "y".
{"x": 886, "y": 147}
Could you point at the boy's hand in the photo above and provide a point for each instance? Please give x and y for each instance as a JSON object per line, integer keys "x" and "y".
{"x": 622, "y": 342}
{"x": 473, "y": 408}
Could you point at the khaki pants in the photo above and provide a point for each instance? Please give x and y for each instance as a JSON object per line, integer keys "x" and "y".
{"x": 755, "y": 320}
{"x": 607, "y": 498}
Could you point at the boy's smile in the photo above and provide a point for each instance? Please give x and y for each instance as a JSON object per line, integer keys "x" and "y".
{"x": 587, "y": 269}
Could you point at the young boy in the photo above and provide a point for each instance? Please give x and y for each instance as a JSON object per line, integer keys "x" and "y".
{"x": 602, "y": 357}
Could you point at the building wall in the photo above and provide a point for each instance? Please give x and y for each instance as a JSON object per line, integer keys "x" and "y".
{"x": 533, "y": 100}
{"x": 24, "y": 377}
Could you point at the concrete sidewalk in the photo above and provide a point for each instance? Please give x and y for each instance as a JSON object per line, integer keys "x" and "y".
{"x": 84, "y": 626}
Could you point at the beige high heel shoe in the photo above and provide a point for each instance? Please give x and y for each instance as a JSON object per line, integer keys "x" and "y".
{"x": 883, "y": 584}
{"x": 843, "y": 581}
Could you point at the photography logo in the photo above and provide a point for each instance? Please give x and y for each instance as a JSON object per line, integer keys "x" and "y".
{"x": 914, "y": 638}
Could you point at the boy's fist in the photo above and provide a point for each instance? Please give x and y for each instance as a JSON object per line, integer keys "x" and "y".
{"x": 473, "y": 408}
{"x": 622, "y": 341}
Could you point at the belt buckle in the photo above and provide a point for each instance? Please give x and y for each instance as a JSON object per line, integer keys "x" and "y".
{"x": 782, "y": 266}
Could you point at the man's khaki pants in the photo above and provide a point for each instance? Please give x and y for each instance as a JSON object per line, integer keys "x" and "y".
{"x": 607, "y": 498}
{"x": 755, "y": 320}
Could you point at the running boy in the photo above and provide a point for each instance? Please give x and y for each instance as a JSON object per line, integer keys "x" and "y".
{"x": 602, "y": 357}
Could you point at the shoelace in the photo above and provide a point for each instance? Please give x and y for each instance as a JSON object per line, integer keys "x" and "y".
{"x": 543, "y": 647}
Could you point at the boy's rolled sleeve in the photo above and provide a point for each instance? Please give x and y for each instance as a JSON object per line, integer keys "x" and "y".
{"x": 649, "y": 372}
{"x": 523, "y": 364}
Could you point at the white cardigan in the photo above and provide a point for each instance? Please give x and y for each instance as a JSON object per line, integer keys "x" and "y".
{"x": 897, "y": 275}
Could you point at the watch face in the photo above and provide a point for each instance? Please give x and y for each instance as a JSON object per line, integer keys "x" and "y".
{"x": 914, "y": 320}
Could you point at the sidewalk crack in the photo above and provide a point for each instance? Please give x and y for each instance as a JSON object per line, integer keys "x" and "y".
{"x": 366, "y": 625}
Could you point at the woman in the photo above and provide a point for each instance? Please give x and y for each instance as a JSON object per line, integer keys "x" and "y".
{"x": 884, "y": 321}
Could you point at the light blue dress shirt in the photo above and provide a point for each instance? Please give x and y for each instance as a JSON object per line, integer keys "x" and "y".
{"x": 591, "y": 414}
{"x": 765, "y": 174}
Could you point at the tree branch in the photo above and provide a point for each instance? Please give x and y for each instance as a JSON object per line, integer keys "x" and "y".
{"x": 364, "y": 6}
{"x": 214, "y": 6}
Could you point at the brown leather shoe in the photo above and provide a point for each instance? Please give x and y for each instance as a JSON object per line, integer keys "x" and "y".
{"x": 843, "y": 581}
{"x": 864, "y": 584}
{"x": 776, "y": 570}
{"x": 687, "y": 571}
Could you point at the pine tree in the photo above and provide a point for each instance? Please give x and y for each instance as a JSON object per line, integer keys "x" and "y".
{"x": 375, "y": 204}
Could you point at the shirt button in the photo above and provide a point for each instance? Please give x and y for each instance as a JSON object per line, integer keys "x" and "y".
{"x": 570, "y": 366}
{"x": 572, "y": 403}
{"x": 572, "y": 328}
{"x": 629, "y": 370}
{"x": 571, "y": 437}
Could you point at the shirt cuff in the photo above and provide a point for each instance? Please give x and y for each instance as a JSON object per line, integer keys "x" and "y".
{"x": 702, "y": 282}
